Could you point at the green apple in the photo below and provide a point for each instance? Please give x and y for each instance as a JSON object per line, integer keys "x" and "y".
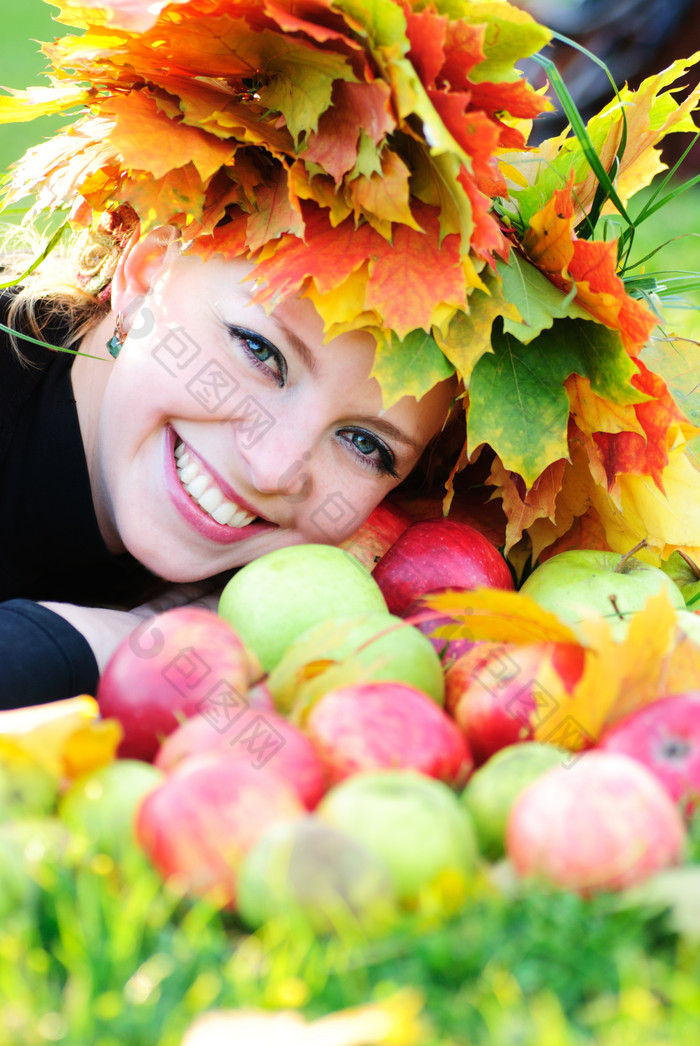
{"x": 308, "y": 872}
{"x": 102, "y": 804}
{"x": 689, "y": 624}
{"x": 493, "y": 788}
{"x": 369, "y": 647}
{"x": 583, "y": 582}
{"x": 272, "y": 600}
{"x": 415, "y": 825}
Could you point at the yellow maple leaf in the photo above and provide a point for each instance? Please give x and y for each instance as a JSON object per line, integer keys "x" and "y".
{"x": 499, "y": 615}
{"x": 66, "y": 738}
{"x": 395, "y": 1021}
{"x": 618, "y": 677}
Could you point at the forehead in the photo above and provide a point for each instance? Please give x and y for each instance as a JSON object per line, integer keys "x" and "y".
{"x": 343, "y": 364}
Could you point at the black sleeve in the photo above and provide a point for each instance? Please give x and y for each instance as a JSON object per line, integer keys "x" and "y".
{"x": 42, "y": 657}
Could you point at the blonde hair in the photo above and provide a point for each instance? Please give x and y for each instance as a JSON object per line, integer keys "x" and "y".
{"x": 71, "y": 286}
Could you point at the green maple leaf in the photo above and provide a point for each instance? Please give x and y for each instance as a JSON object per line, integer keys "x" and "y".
{"x": 536, "y": 298}
{"x": 409, "y": 367}
{"x": 517, "y": 400}
{"x": 300, "y": 82}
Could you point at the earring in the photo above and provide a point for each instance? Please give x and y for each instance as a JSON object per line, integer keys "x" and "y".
{"x": 114, "y": 345}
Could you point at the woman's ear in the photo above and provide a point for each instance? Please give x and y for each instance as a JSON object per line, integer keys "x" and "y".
{"x": 141, "y": 261}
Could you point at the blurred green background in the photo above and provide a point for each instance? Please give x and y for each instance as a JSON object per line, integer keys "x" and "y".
{"x": 24, "y": 25}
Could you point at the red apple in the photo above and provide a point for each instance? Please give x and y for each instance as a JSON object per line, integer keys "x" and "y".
{"x": 386, "y": 725}
{"x": 602, "y": 823}
{"x": 438, "y": 553}
{"x": 265, "y": 740}
{"x": 429, "y": 622}
{"x": 665, "y": 737}
{"x": 199, "y": 824}
{"x": 176, "y": 664}
{"x": 381, "y": 529}
{"x": 495, "y": 690}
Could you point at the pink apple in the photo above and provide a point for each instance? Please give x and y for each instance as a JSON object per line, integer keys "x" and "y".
{"x": 265, "y": 740}
{"x": 665, "y": 737}
{"x": 492, "y": 691}
{"x": 386, "y": 725}
{"x": 176, "y": 664}
{"x": 430, "y": 622}
{"x": 198, "y": 825}
{"x": 438, "y": 553}
{"x": 381, "y": 529}
{"x": 602, "y": 823}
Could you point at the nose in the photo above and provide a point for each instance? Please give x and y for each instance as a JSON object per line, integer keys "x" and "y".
{"x": 278, "y": 466}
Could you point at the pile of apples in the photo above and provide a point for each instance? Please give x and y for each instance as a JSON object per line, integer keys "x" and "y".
{"x": 319, "y": 750}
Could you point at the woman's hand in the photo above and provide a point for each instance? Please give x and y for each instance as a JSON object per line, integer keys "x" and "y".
{"x": 104, "y": 629}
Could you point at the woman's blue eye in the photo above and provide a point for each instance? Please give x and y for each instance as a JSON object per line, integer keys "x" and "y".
{"x": 261, "y": 352}
{"x": 367, "y": 444}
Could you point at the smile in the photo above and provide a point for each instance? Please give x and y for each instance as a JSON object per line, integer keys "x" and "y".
{"x": 203, "y": 488}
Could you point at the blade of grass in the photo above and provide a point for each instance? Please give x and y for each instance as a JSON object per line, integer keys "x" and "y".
{"x": 606, "y": 186}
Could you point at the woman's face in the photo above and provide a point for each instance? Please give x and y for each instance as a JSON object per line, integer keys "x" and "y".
{"x": 225, "y": 432}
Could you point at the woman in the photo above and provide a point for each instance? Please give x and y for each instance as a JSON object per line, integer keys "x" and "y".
{"x": 295, "y": 204}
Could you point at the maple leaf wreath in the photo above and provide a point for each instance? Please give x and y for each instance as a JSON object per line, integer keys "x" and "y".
{"x": 372, "y": 155}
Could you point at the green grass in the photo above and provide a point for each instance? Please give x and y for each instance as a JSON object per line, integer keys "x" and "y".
{"x": 95, "y": 954}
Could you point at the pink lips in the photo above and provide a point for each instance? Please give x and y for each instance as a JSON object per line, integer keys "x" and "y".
{"x": 196, "y": 517}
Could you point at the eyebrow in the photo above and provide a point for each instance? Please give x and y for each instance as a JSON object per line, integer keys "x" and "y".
{"x": 300, "y": 347}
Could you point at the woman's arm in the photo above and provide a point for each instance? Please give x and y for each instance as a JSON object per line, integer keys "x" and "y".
{"x": 50, "y": 651}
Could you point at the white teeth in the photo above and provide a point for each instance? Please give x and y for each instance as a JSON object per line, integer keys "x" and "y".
{"x": 210, "y": 500}
{"x": 197, "y": 486}
{"x": 203, "y": 489}
{"x": 224, "y": 513}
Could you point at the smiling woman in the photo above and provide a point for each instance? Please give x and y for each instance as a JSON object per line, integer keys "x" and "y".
{"x": 263, "y": 252}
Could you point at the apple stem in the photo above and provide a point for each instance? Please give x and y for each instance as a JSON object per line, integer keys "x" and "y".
{"x": 620, "y": 568}
{"x": 613, "y": 600}
{"x": 691, "y": 563}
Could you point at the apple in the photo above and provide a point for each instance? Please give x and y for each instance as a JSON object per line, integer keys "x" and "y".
{"x": 580, "y": 583}
{"x": 176, "y": 664}
{"x": 665, "y": 737}
{"x": 689, "y": 624}
{"x": 435, "y": 625}
{"x": 308, "y": 872}
{"x": 496, "y": 690}
{"x": 384, "y": 525}
{"x": 386, "y": 725}
{"x": 265, "y": 740}
{"x": 438, "y": 553}
{"x": 277, "y": 597}
{"x": 197, "y": 825}
{"x": 102, "y": 804}
{"x": 494, "y": 787}
{"x": 603, "y": 823}
{"x": 370, "y": 647}
{"x": 686, "y": 574}
{"x": 415, "y": 825}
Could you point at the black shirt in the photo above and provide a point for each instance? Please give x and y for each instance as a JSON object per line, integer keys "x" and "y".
{"x": 50, "y": 544}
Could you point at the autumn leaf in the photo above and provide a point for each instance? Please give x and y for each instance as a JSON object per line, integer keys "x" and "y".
{"x": 409, "y": 367}
{"x": 395, "y": 1021}
{"x": 468, "y": 335}
{"x": 537, "y": 300}
{"x": 524, "y": 506}
{"x": 356, "y": 108}
{"x": 498, "y": 615}
{"x": 66, "y": 738}
{"x": 618, "y": 677}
